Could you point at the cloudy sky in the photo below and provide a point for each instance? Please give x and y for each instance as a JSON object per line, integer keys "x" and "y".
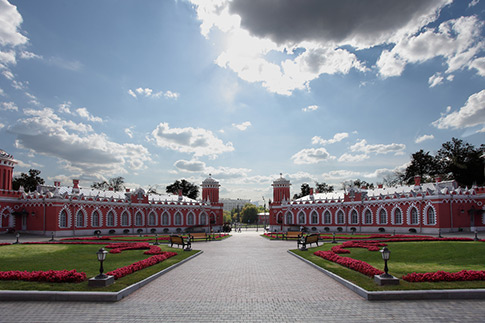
{"x": 156, "y": 91}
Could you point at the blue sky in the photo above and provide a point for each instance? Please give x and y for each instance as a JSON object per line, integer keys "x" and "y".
{"x": 156, "y": 91}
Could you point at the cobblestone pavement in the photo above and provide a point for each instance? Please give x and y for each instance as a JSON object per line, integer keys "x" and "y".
{"x": 245, "y": 278}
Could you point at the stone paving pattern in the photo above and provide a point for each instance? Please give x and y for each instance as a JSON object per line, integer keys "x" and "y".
{"x": 245, "y": 278}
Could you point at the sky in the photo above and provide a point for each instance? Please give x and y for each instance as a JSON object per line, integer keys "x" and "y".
{"x": 156, "y": 91}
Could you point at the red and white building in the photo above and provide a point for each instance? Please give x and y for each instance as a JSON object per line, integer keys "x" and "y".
{"x": 73, "y": 210}
{"x": 422, "y": 208}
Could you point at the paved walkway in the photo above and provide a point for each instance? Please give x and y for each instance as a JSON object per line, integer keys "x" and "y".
{"x": 245, "y": 278}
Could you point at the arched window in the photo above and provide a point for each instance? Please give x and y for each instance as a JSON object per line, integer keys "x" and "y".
{"x": 397, "y": 216}
{"x": 190, "y": 219}
{"x": 301, "y": 218}
{"x": 327, "y": 217}
{"x": 382, "y": 216}
{"x": 95, "y": 219}
{"x": 165, "y": 219}
{"x": 354, "y": 219}
{"x": 203, "y": 219}
{"x": 431, "y": 216}
{"x": 340, "y": 217}
{"x": 139, "y": 219}
{"x": 289, "y": 218}
{"x": 178, "y": 219}
{"x": 368, "y": 217}
{"x": 314, "y": 217}
{"x": 110, "y": 219}
{"x": 79, "y": 219}
{"x": 414, "y": 216}
{"x": 125, "y": 219}
{"x": 63, "y": 219}
{"x": 152, "y": 219}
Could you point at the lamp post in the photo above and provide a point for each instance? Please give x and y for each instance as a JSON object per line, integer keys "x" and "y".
{"x": 386, "y": 254}
{"x": 156, "y": 239}
{"x": 52, "y": 237}
{"x": 17, "y": 236}
{"x": 101, "y": 257}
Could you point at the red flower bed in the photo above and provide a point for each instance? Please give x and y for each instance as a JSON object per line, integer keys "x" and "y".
{"x": 51, "y": 276}
{"x": 339, "y": 249}
{"x": 357, "y": 265}
{"x": 153, "y": 260}
{"x": 464, "y": 275}
{"x": 63, "y": 242}
{"x": 154, "y": 250}
{"x": 122, "y": 246}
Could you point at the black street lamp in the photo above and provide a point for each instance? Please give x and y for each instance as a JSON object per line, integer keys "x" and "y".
{"x": 333, "y": 238}
{"x": 386, "y": 254}
{"x": 101, "y": 257}
{"x": 156, "y": 239}
{"x": 17, "y": 236}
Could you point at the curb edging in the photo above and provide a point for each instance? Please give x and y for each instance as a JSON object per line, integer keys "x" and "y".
{"x": 54, "y": 296}
{"x": 400, "y": 295}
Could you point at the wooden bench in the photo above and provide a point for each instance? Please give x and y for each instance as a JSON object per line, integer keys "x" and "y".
{"x": 309, "y": 239}
{"x": 179, "y": 240}
{"x": 293, "y": 234}
{"x": 199, "y": 235}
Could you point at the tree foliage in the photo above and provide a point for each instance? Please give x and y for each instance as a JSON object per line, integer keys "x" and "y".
{"x": 188, "y": 189}
{"x": 323, "y": 187}
{"x": 249, "y": 213}
{"x": 115, "y": 183}
{"x": 305, "y": 190}
{"x": 456, "y": 160}
{"x": 28, "y": 181}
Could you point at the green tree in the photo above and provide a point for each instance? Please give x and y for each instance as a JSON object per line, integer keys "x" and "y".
{"x": 188, "y": 189}
{"x": 28, "y": 181}
{"x": 305, "y": 190}
{"x": 249, "y": 213}
{"x": 114, "y": 183}
{"x": 462, "y": 162}
{"x": 424, "y": 165}
{"x": 323, "y": 187}
{"x": 227, "y": 216}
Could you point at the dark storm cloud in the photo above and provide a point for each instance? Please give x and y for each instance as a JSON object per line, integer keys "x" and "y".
{"x": 358, "y": 21}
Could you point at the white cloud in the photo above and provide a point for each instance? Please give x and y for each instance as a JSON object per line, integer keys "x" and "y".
{"x": 44, "y": 132}
{"x": 149, "y": 93}
{"x": 29, "y": 55}
{"x": 458, "y": 41}
{"x": 243, "y": 126}
{"x": 130, "y": 92}
{"x": 197, "y": 141}
{"x": 311, "y": 156}
{"x": 340, "y": 175}
{"x": 315, "y": 42}
{"x": 2, "y": 125}
{"x": 129, "y": 132}
{"x": 190, "y": 165}
{"x": 479, "y": 65}
{"x": 352, "y": 158}
{"x": 423, "y": 138}
{"x": 378, "y": 149}
{"x": 8, "y": 106}
{"x": 2, "y": 92}
{"x": 10, "y": 21}
{"x": 471, "y": 114}
{"x": 336, "y": 138}
{"x": 171, "y": 95}
{"x": 473, "y": 3}
{"x": 9, "y": 75}
{"x": 84, "y": 113}
{"x": 7, "y": 58}
{"x": 310, "y": 108}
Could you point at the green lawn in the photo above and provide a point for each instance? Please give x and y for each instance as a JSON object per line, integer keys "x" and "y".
{"x": 79, "y": 257}
{"x": 408, "y": 257}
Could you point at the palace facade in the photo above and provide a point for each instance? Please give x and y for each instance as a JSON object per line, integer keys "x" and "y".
{"x": 73, "y": 210}
{"x": 422, "y": 208}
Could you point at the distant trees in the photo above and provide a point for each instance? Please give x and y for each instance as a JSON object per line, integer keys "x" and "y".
{"x": 188, "y": 189}
{"x": 115, "y": 183}
{"x": 249, "y": 213}
{"x": 319, "y": 187}
{"x": 28, "y": 181}
{"x": 455, "y": 160}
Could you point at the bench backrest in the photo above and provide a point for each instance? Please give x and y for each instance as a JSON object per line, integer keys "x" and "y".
{"x": 293, "y": 233}
{"x": 176, "y": 239}
{"x": 199, "y": 234}
{"x": 311, "y": 238}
